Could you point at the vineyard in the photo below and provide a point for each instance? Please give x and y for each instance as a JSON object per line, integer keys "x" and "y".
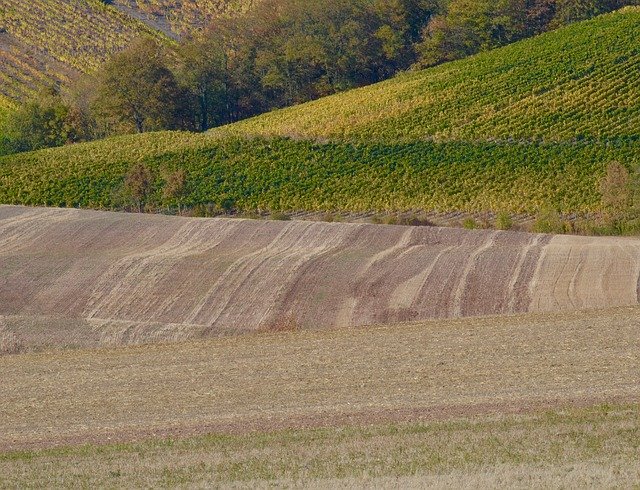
{"x": 544, "y": 117}
{"x": 49, "y": 41}
{"x": 580, "y": 82}
{"x": 282, "y": 174}
{"x": 185, "y": 15}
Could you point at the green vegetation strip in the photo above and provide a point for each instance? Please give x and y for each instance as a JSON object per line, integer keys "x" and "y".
{"x": 282, "y": 174}
{"x": 599, "y": 445}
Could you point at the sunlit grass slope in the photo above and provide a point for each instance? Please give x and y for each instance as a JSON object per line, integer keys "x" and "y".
{"x": 580, "y": 82}
{"x": 517, "y": 129}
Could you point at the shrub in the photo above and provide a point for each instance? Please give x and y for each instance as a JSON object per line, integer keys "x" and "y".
{"x": 277, "y": 216}
{"x": 548, "y": 220}
{"x": 504, "y": 221}
{"x": 470, "y": 224}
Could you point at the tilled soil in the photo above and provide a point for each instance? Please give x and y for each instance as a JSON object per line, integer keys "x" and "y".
{"x": 411, "y": 372}
{"x": 115, "y": 279}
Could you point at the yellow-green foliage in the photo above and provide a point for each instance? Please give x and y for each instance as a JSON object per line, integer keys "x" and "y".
{"x": 581, "y": 82}
{"x": 49, "y": 41}
{"x": 185, "y": 15}
{"x": 519, "y": 129}
{"x": 281, "y": 174}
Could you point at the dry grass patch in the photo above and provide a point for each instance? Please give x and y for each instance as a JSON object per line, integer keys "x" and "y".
{"x": 597, "y": 446}
{"x": 416, "y": 372}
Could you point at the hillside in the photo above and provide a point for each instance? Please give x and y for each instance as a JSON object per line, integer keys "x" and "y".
{"x": 44, "y": 42}
{"x": 184, "y": 16}
{"x": 48, "y": 41}
{"x": 543, "y": 116}
{"x": 580, "y": 82}
{"x": 122, "y": 278}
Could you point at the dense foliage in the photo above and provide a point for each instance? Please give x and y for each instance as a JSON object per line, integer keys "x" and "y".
{"x": 282, "y": 174}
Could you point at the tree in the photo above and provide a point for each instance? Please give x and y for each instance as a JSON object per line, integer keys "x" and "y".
{"x": 45, "y": 121}
{"x": 202, "y": 71}
{"x": 137, "y": 91}
{"x": 138, "y": 184}
{"x": 470, "y": 26}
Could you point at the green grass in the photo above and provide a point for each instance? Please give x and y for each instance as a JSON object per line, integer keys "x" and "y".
{"x": 518, "y": 129}
{"x": 564, "y": 448}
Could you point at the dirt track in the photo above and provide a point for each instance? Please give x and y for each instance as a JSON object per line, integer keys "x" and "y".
{"x": 120, "y": 278}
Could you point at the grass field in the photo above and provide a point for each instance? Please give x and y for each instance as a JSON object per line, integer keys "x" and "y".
{"x": 544, "y": 116}
{"x": 412, "y": 372}
{"x": 567, "y": 448}
{"x": 442, "y": 403}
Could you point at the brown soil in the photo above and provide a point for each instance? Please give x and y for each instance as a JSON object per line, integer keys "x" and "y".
{"x": 109, "y": 279}
{"x": 414, "y": 372}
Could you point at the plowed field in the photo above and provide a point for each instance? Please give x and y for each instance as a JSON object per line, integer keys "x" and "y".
{"x": 72, "y": 277}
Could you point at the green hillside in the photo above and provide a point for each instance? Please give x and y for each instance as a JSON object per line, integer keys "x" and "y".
{"x": 516, "y": 129}
{"x": 581, "y": 82}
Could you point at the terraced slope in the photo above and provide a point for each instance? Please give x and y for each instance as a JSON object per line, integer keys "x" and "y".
{"x": 185, "y": 15}
{"x": 113, "y": 278}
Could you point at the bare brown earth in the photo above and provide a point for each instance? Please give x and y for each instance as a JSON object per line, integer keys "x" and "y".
{"x": 443, "y": 369}
{"x": 85, "y": 278}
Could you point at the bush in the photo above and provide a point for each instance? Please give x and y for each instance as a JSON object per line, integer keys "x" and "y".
{"x": 277, "y": 216}
{"x": 470, "y": 224}
{"x": 548, "y": 220}
{"x": 504, "y": 221}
